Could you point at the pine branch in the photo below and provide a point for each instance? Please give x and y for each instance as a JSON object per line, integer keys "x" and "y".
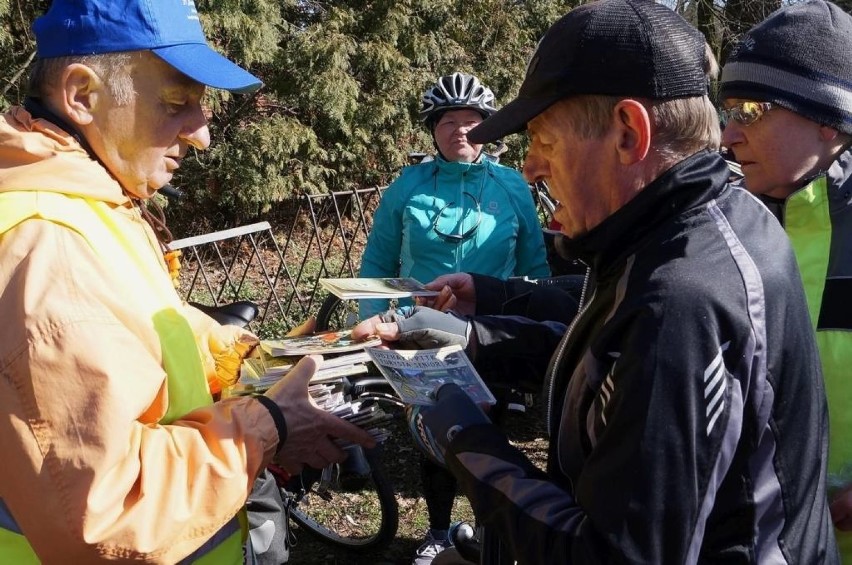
{"x": 14, "y": 80}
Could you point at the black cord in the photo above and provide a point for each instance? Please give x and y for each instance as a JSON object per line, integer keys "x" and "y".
{"x": 277, "y": 417}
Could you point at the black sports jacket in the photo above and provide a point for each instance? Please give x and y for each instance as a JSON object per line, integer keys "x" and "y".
{"x": 685, "y": 402}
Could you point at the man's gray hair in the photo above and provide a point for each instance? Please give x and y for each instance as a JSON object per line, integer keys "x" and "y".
{"x": 680, "y": 127}
{"x": 113, "y": 68}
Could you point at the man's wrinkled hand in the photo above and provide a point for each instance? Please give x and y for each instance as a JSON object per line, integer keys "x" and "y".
{"x": 422, "y": 328}
{"x": 444, "y": 301}
{"x": 434, "y": 427}
{"x": 370, "y": 327}
{"x": 310, "y": 430}
{"x": 426, "y": 328}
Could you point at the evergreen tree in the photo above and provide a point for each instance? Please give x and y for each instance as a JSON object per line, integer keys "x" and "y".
{"x": 17, "y": 47}
{"x": 343, "y": 81}
{"x": 339, "y": 109}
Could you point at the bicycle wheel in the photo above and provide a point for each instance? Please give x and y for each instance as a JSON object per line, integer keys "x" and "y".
{"x": 351, "y": 505}
{"x": 337, "y": 314}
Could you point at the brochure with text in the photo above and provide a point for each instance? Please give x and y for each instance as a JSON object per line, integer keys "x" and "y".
{"x": 416, "y": 373}
{"x": 351, "y": 289}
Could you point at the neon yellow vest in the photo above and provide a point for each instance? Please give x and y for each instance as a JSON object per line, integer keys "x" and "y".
{"x": 186, "y": 383}
{"x": 808, "y": 223}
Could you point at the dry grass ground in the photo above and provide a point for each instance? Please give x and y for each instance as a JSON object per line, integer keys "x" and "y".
{"x": 400, "y": 459}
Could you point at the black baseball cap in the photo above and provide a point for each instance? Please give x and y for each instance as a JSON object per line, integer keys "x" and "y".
{"x": 634, "y": 48}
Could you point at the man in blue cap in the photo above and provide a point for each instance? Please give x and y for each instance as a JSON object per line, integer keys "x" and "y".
{"x": 112, "y": 446}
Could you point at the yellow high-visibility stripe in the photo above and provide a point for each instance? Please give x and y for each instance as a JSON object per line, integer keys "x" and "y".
{"x": 186, "y": 382}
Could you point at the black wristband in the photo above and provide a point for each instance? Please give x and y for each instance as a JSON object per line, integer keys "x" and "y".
{"x": 277, "y": 417}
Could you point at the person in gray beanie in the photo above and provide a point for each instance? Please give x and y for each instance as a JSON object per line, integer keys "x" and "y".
{"x": 798, "y": 58}
{"x": 786, "y": 92}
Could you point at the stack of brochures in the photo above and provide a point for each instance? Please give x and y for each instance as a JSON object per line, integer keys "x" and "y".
{"x": 325, "y": 343}
{"x": 262, "y": 370}
{"x": 342, "y": 357}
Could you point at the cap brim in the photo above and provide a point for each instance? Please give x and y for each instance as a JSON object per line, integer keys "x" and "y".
{"x": 201, "y": 63}
{"x": 511, "y": 118}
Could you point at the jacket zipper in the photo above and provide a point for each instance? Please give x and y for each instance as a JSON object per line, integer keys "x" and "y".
{"x": 557, "y": 359}
{"x": 460, "y": 199}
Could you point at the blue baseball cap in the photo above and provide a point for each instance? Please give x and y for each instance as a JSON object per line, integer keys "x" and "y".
{"x": 170, "y": 29}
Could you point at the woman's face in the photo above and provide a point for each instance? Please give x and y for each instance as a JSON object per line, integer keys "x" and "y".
{"x": 451, "y": 135}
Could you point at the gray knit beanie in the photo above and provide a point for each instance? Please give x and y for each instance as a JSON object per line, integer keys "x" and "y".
{"x": 800, "y": 58}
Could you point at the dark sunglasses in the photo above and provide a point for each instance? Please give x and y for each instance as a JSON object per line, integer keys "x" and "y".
{"x": 455, "y": 237}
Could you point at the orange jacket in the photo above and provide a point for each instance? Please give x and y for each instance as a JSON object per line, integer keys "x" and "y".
{"x": 89, "y": 470}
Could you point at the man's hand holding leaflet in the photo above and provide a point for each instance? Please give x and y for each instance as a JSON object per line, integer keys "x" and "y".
{"x": 417, "y": 327}
{"x": 457, "y": 293}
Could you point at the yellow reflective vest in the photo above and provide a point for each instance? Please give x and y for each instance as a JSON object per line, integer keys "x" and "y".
{"x": 828, "y": 287}
{"x": 186, "y": 382}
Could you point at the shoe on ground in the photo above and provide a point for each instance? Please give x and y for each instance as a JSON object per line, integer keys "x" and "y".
{"x": 434, "y": 544}
{"x": 516, "y": 402}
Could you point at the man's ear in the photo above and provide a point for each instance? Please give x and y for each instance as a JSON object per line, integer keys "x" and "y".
{"x": 835, "y": 141}
{"x": 633, "y": 131}
{"x": 827, "y": 133}
{"x": 80, "y": 92}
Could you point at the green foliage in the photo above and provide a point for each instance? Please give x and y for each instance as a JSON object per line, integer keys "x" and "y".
{"x": 17, "y": 46}
{"x": 248, "y": 30}
{"x": 343, "y": 81}
{"x": 262, "y": 163}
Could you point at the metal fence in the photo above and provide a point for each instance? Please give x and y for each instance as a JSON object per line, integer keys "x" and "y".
{"x": 278, "y": 267}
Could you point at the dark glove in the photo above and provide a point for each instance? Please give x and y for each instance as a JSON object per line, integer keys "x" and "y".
{"x": 425, "y": 328}
{"x": 434, "y": 427}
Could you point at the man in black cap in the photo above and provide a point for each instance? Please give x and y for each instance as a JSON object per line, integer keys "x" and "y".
{"x": 787, "y": 103}
{"x": 685, "y": 404}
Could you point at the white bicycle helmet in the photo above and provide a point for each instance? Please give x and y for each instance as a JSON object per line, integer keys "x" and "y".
{"x": 454, "y": 92}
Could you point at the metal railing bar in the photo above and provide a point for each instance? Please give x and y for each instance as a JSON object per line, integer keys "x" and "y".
{"x": 218, "y": 235}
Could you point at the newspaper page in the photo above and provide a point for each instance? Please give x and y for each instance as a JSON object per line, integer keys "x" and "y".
{"x": 416, "y": 373}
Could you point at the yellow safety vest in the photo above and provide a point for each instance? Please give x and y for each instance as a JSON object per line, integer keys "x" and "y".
{"x": 808, "y": 224}
{"x": 186, "y": 383}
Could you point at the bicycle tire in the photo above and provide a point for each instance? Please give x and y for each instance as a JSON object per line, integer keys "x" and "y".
{"x": 360, "y": 518}
{"x": 336, "y": 314}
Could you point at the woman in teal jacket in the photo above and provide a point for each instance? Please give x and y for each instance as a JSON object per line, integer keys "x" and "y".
{"x": 458, "y": 212}
{"x": 461, "y": 211}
